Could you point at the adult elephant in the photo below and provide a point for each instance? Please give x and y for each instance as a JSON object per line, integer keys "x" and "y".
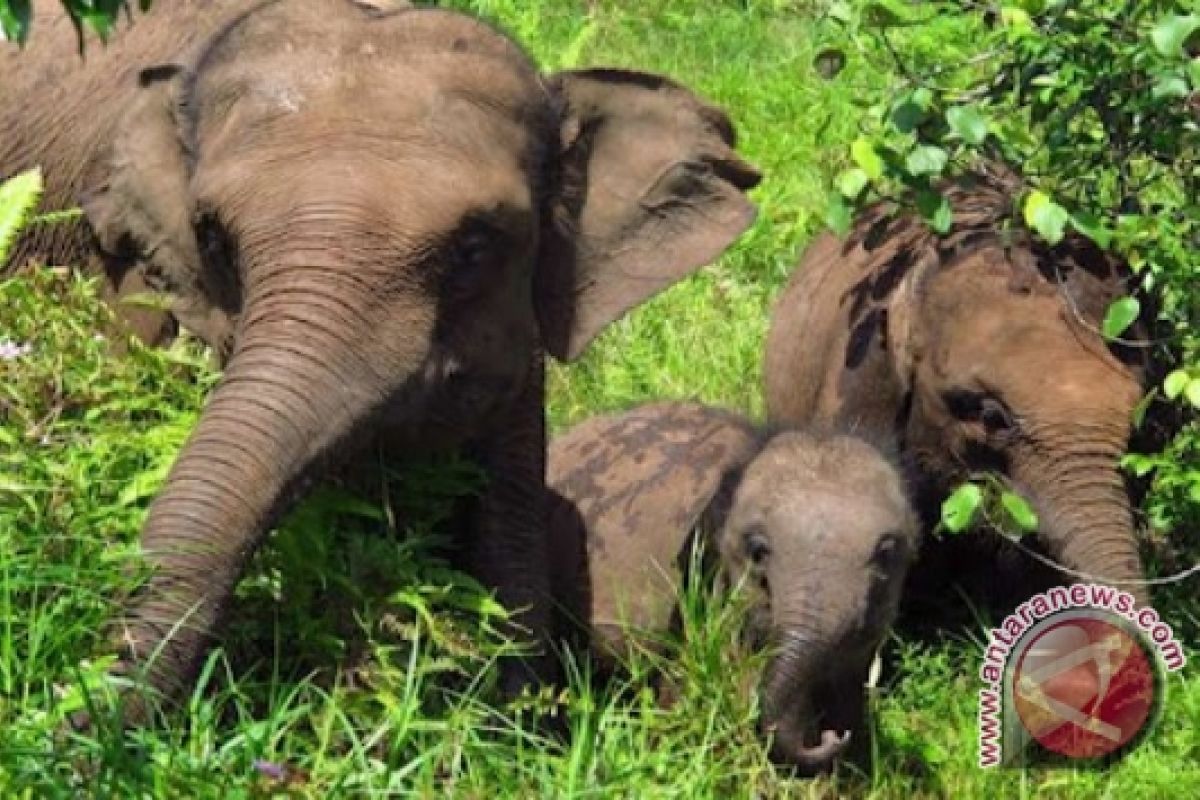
{"x": 981, "y": 351}
{"x": 381, "y": 219}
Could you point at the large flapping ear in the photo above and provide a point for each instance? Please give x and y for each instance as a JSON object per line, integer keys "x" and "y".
{"x": 650, "y": 190}
{"x": 140, "y": 210}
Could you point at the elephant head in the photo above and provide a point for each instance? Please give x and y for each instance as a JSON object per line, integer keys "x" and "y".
{"x": 1007, "y": 373}
{"x": 980, "y": 351}
{"x": 381, "y": 218}
{"x": 821, "y": 527}
{"x": 818, "y": 528}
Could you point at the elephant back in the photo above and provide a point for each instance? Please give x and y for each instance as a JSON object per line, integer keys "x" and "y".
{"x": 627, "y": 492}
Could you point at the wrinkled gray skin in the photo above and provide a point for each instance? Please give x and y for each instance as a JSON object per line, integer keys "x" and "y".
{"x": 817, "y": 527}
{"x": 978, "y": 351}
{"x": 380, "y": 219}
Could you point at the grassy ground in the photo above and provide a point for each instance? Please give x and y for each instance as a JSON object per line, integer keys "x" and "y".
{"x": 352, "y": 667}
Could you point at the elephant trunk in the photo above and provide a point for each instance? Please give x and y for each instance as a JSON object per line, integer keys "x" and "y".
{"x": 789, "y": 711}
{"x": 1085, "y": 517}
{"x": 293, "y": 393}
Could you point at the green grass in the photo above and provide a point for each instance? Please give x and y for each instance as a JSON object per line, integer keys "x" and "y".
{"x": 358, "y": 660}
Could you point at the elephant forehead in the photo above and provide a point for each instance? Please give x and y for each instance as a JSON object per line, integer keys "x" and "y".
{"x": 437, "y": 74}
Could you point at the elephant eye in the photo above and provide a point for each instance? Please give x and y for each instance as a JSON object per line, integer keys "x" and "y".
{"x": 474, "y": 252}
{"x": 889, "y": 551}
{"x": 988, "y": 410}
{"x": 995, "y": 416}
{"x": 755, "y": 544}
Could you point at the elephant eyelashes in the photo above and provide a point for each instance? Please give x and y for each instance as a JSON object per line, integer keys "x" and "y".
{"x": 754, "y": 542}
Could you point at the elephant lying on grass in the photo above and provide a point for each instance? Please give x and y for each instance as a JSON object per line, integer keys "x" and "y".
{"x": 817, "y": 526}
{"x": 381, "y": 219}
{"x": 979, "y": 351}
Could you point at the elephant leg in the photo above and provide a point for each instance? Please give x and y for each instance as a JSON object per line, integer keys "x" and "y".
{"x": 508, "y": 550}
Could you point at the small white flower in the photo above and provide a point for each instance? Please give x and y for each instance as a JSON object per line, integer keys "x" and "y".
{"x": 10, "y": 351}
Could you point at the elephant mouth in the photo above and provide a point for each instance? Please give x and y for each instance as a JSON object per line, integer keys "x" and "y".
{"x": 816, "y": 730}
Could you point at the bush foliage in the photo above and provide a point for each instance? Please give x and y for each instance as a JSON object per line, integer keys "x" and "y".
{"x": 1098, "y": 104}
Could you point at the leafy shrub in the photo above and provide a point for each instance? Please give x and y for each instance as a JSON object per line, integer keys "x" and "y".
{"x": 1099, "y": 103}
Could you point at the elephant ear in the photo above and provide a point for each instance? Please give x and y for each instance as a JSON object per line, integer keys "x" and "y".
{"x": 650, "y": 189}
{"x": 140, "y": 211}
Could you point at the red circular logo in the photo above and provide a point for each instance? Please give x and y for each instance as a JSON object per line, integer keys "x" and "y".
{"x": 1084, "y": 685}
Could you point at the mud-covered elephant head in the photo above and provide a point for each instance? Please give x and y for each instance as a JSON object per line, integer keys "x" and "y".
{"x": 382, "y": 219}
{"x": 981, "y": 350}
{"x": 818, "y": 528}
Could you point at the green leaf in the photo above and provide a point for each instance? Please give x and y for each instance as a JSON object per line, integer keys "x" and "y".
{"x": 968, "y": 123}
{"x": 907, "y": 115}
{"x": 1019, "y": 511}
{"x": 1016, "y": 20}
{"x": 958, "y": 510}
{"x": 1171, "y": 32}
{"x": 885, "y": 13}
{"x": 1175, "y": 383}
{"x": 851, "y": 183}
{"x": 19, "y": 196}
{"x": 1120, "y": 315}
{"x": 1046, "y": 217}
{"x": 1192, "y": 392}
{"x": 14, "y": 19}
{"x": 926, "y": 159}
{"x": 1169, "y": 86}
{"x": 838, "y": 215}
{"x": 1092, "y": 227}
{"x": 936, "y": 210}
{"x": 867, "y": 158}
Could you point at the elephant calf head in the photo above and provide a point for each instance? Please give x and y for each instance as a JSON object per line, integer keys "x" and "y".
{"x": 381, "y": 218}
{"x": 817, "y": 527}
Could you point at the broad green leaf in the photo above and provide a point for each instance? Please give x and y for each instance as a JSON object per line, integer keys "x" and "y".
{"x": 1016, "y": 20}
{"x": 1092, "y": 227}
{"x": 936, "y": 210}
{"x": 1046, "y": 217}
{"x": 1019, "y": 511}
{"x": 926, "y": 160}
{"x": 1120, "y": 315}
{"x": 19, "y": 196}
{"x": 907, "y": 115}
{"x": 1175, "y": 383}
{"x": 851, "y": 183}
{"x": 1169, "y": 86}
{"x": 867, "y": 158}
{"x": 958, "y": 510}
{"x": 968, "y": 123}
{"x": 1140, "y": 465}
{"x": 838, "y": 215}
{"x": 1192, "y": 392}
{"x": 885, "y": 13}
{"x": 1171, "y": 32}
{"x": 14, "y": 19}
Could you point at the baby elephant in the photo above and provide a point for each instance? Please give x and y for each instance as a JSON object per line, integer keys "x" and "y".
{"x": 818, "y": 526}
